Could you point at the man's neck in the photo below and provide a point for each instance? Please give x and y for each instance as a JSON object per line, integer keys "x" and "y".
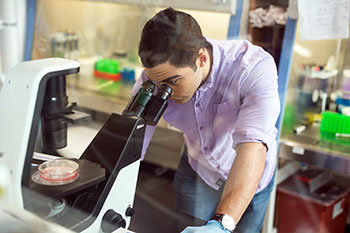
{"x": 208, "y": 68}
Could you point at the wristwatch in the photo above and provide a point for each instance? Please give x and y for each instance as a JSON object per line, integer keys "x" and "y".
{"x": 227, "y": 222}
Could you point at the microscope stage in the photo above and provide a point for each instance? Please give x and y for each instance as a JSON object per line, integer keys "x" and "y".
{"x": 89, "y": 174}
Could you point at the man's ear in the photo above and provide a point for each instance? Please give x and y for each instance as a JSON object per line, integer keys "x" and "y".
{"x": 202, "y": 57}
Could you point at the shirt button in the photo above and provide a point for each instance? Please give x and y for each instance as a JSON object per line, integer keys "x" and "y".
{"x": 206, "y": 148}
{"x": 197, "y": 105}
{"x": 201, "y": 128}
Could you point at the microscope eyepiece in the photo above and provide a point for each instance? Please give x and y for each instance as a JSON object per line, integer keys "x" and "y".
{"x": 165, "y": 92}
{"x": 167, "y": 89}
{"x": 137, "y": 103}
{"x": 148, "y": 86}
{"x": 148, "y": 106}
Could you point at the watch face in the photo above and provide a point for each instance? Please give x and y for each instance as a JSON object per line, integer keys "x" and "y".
{"x": 228, "y": 222}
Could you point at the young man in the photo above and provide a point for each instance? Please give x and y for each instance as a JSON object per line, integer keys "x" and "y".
{"x": 226, "y": 103}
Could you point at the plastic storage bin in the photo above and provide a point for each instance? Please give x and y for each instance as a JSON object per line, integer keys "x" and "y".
{"x": 311, "y": 202}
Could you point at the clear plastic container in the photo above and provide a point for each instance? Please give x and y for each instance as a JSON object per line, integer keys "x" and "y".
{"x": 346, "y": 84}
{"x": 58, "y": 171}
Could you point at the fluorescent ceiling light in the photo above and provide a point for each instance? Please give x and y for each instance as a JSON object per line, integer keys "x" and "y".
{"x": 302, "y": 51}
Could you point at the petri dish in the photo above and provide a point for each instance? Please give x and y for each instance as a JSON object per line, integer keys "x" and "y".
{"x": 58, "y": 172}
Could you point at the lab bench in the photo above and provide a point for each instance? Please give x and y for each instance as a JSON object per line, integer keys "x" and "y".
{"x": 306, "y": 147}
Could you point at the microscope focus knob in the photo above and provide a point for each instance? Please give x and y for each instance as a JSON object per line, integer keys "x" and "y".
{"x": 129, "y": 211}
{"x": 112, "y": 221}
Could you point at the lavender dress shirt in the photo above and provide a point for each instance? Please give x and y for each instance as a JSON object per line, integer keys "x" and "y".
{"x": 238, "y": 103}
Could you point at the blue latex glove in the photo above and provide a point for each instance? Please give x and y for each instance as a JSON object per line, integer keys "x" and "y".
{"x": 212, "y": 226}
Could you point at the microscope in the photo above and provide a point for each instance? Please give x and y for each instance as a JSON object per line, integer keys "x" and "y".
{"x": 100, "y": 199}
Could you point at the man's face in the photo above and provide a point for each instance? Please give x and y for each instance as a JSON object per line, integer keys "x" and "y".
{"x": 184, "y": 81}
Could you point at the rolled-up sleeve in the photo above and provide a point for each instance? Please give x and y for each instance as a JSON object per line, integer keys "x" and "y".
{"x": 260, "y": 105}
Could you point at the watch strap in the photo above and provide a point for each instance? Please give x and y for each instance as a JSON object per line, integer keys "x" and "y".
{"x": 218, "y": 217}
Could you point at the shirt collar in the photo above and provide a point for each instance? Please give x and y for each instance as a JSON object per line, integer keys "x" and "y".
{"x": 209, "y": 83}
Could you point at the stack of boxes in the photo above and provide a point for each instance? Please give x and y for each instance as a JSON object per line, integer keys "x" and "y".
{"x": 109, "y": 74}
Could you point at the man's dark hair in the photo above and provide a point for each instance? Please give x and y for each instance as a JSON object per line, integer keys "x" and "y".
{"x": 172, "y": 36}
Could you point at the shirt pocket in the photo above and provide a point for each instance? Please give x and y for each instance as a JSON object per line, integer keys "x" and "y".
{"x": 227, "y": 108}
{"x": 223, "y": 126}
{"x": 225, "y": 119}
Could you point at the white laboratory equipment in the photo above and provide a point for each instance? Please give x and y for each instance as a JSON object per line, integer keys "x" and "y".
{"x": 101, "y": 197}
{"x": 12, "y": 34}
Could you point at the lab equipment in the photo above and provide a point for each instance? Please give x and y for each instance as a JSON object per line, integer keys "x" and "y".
{"x": 346, "y": 84}
{"x": 14, "y": 219}
{"x": 107, "y": 69}
{"x": 341, "y": 103}
{"x": 128, "y": 75}
{"x": 311, "y": 201}
{"x": 56, "y": 172}
{"x": 12, "y": 29}
{"x": 335, "y": 127}
{"x": 101, "y": 197}
{"x": 145, "y": 105}
{"x": 343, "y": 98}
{"x": 299, "y": 128}
{"x": 65, "y": 45}
{"x": 315, "y": 85}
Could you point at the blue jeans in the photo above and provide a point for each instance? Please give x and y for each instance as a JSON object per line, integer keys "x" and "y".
{"x": 194, "y": 197}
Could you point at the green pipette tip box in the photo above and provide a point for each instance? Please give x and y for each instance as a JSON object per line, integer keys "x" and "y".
{"x": 335, "y": 127}
{"x": 107, "y": 65}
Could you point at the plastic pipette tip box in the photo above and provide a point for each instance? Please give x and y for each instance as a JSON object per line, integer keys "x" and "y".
{"x": 335, "y": 127}
{"x": 107, "y": 69}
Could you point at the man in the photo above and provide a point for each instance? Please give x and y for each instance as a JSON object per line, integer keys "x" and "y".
{"x": 226, "y": 103}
